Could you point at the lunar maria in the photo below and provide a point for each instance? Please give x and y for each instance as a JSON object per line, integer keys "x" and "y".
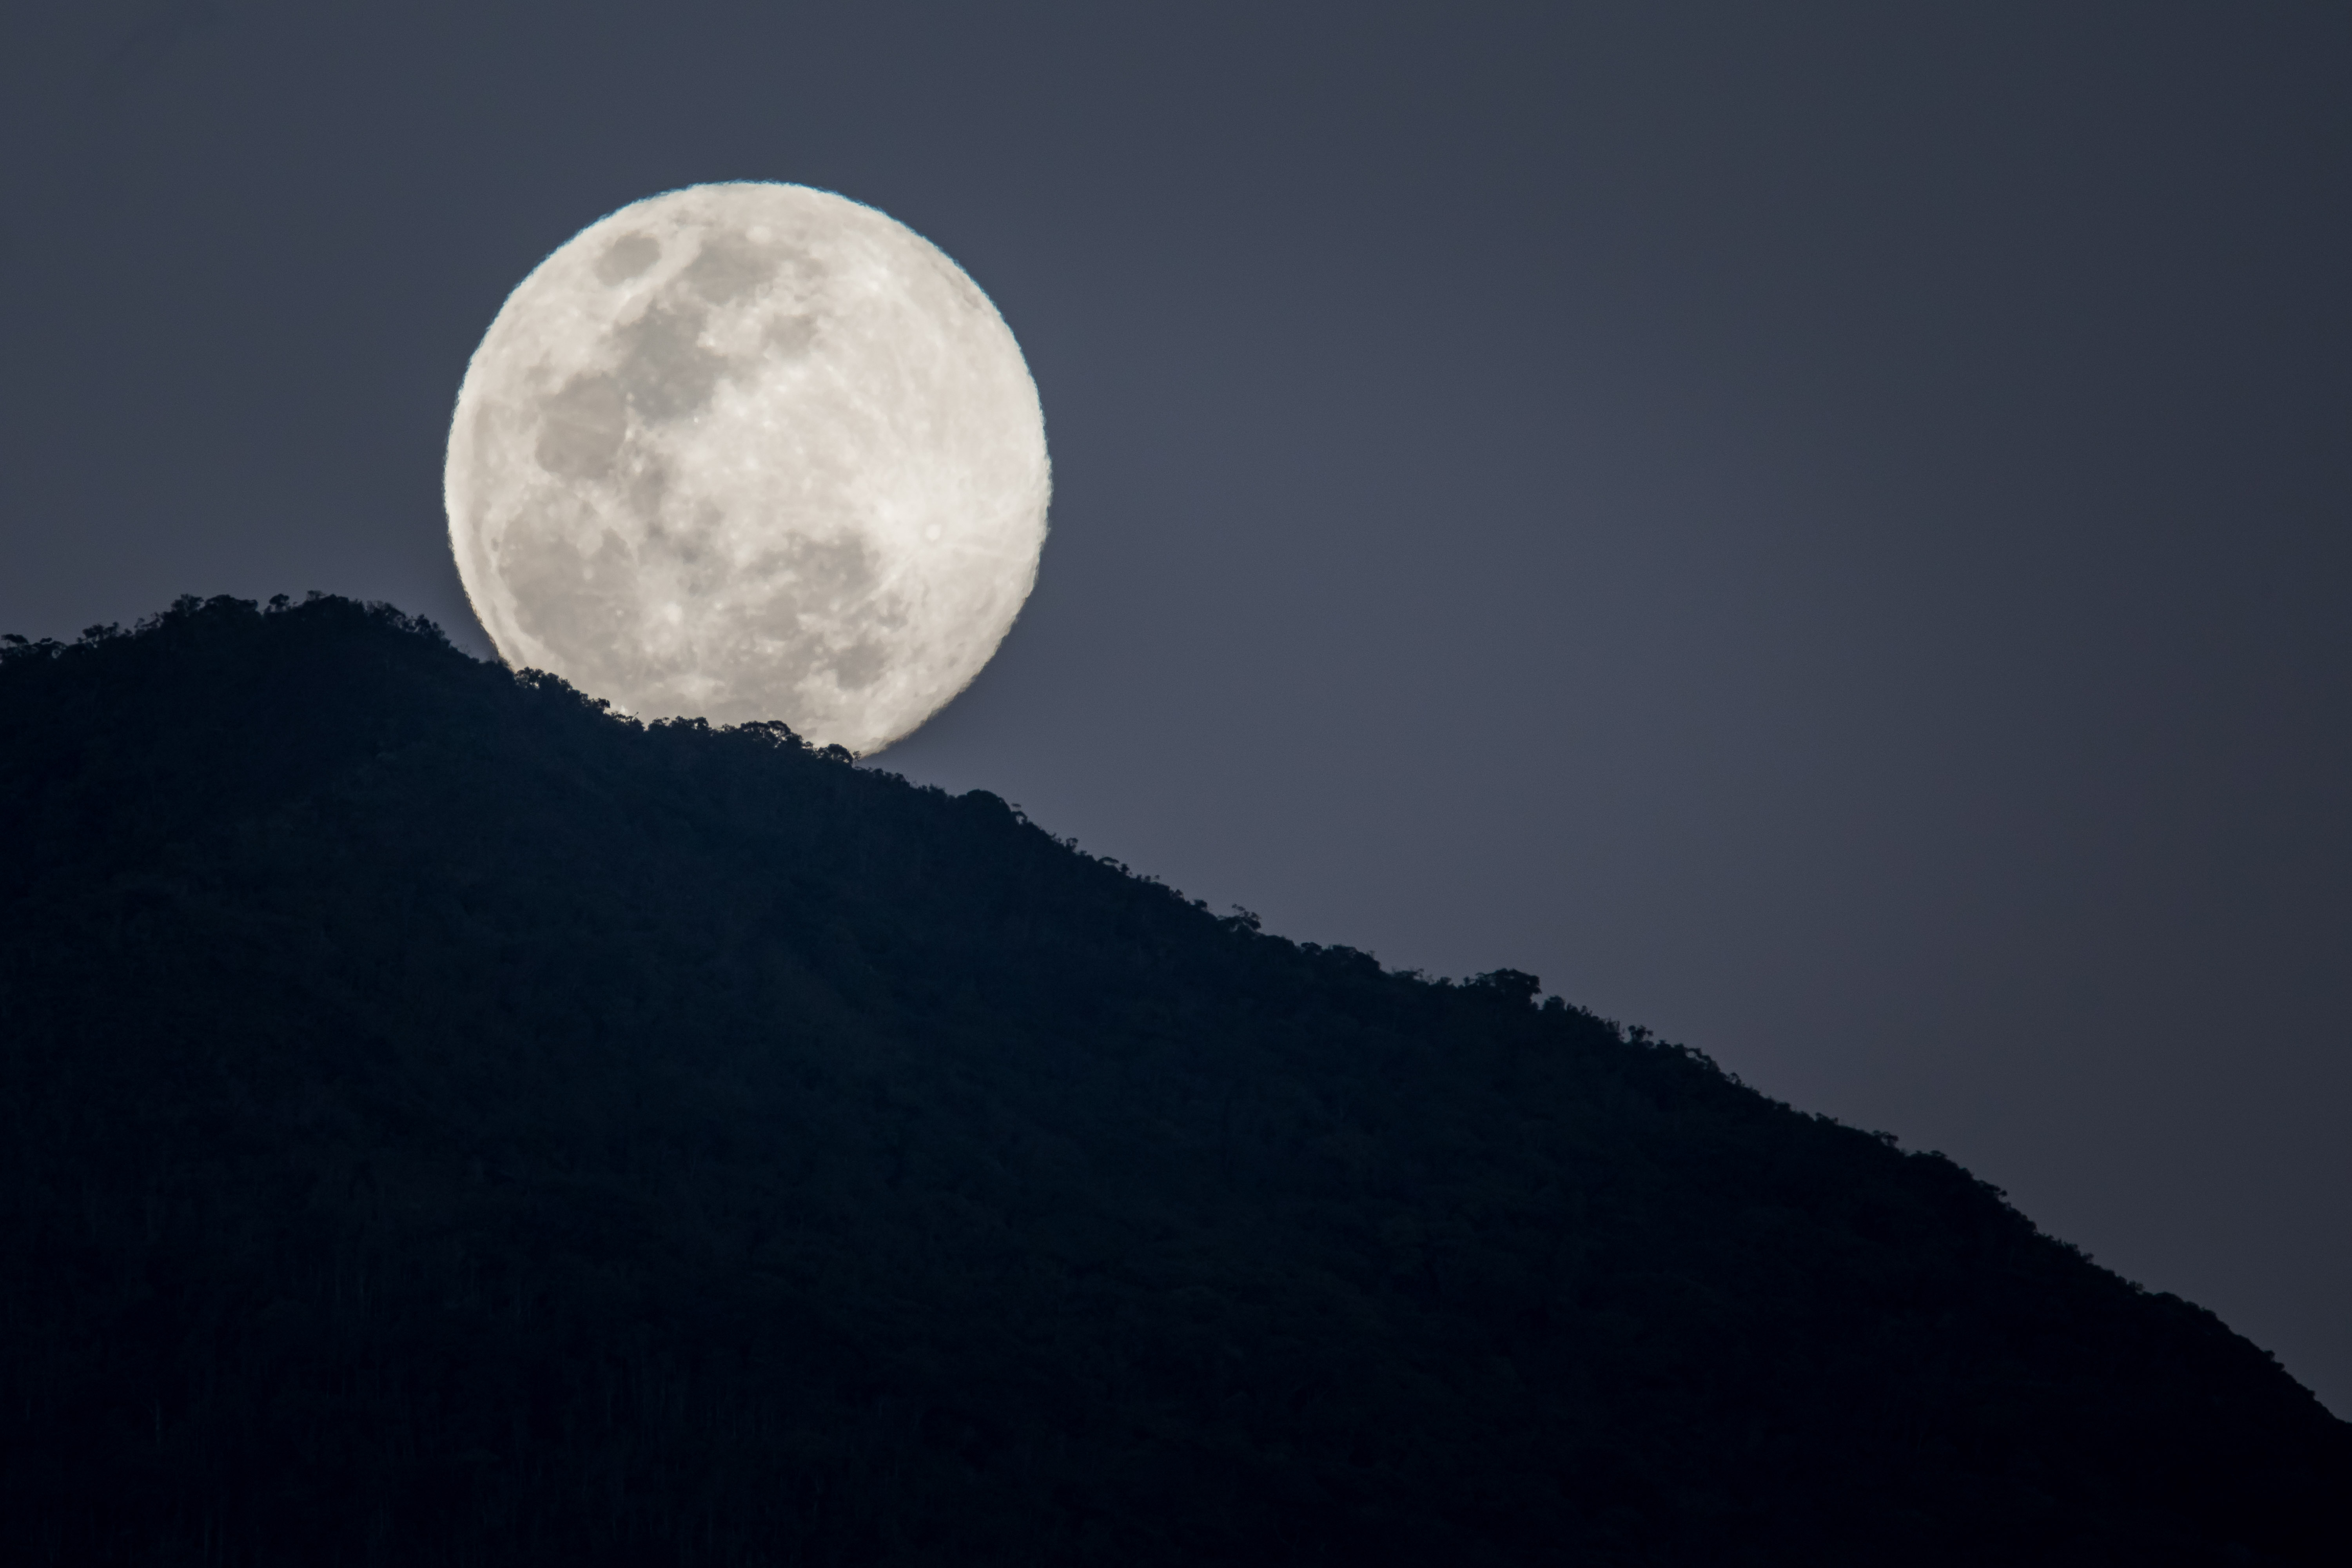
{"x": 750, "y": 451}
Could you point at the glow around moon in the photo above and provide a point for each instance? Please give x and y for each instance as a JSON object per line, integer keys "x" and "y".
{"x": 750, "y": 451}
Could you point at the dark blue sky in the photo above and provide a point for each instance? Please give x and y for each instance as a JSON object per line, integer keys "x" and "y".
{"x": 1822, "y": 529}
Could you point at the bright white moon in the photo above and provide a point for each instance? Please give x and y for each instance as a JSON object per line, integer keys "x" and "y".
{"x": 750, "y": 451}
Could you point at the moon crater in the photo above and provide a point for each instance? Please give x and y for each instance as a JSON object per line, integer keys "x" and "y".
{"x": 750, "y": 451}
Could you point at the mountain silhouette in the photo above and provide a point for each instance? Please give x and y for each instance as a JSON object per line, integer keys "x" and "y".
{"x": 445, "y": 1122}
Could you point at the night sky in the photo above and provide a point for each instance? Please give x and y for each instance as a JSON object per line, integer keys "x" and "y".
{"x": 1822, "y": 530}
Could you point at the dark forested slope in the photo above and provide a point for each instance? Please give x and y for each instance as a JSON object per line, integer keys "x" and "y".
{"x": 440, "y": 1121}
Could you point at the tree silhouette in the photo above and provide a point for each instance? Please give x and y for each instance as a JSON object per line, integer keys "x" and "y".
{"x": 446, "y": 1121}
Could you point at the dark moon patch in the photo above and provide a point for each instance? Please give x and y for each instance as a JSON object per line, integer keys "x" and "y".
{"x": 687, "y": 542}
{"x": 790, "y": 337}
{"x": 860, "y": 665}
{"x": 665, "y": 373}
{"x": 824, "y": 573}
{"x": 648, "y": 483}
{"x": 729, "y": 267}
{"x": 581, "y": 427}
{"x": 628, "y": 257}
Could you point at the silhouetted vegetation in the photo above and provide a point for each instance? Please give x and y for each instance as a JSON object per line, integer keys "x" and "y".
{"x": 445, "y": 1123}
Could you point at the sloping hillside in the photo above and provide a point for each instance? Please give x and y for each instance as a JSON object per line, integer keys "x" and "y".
{"x": 441, "y": 1121}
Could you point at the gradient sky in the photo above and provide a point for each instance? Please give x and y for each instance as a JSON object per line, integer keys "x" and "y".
{"x": 1822, "y": 529}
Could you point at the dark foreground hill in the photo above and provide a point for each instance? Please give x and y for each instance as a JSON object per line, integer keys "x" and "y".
{"x": 442, "y": 1122}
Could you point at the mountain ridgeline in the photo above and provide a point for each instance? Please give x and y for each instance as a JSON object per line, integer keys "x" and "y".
{"x": 443, "y": 1121}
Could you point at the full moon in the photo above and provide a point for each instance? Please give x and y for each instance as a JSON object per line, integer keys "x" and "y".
{"x": 750, "y": 451}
